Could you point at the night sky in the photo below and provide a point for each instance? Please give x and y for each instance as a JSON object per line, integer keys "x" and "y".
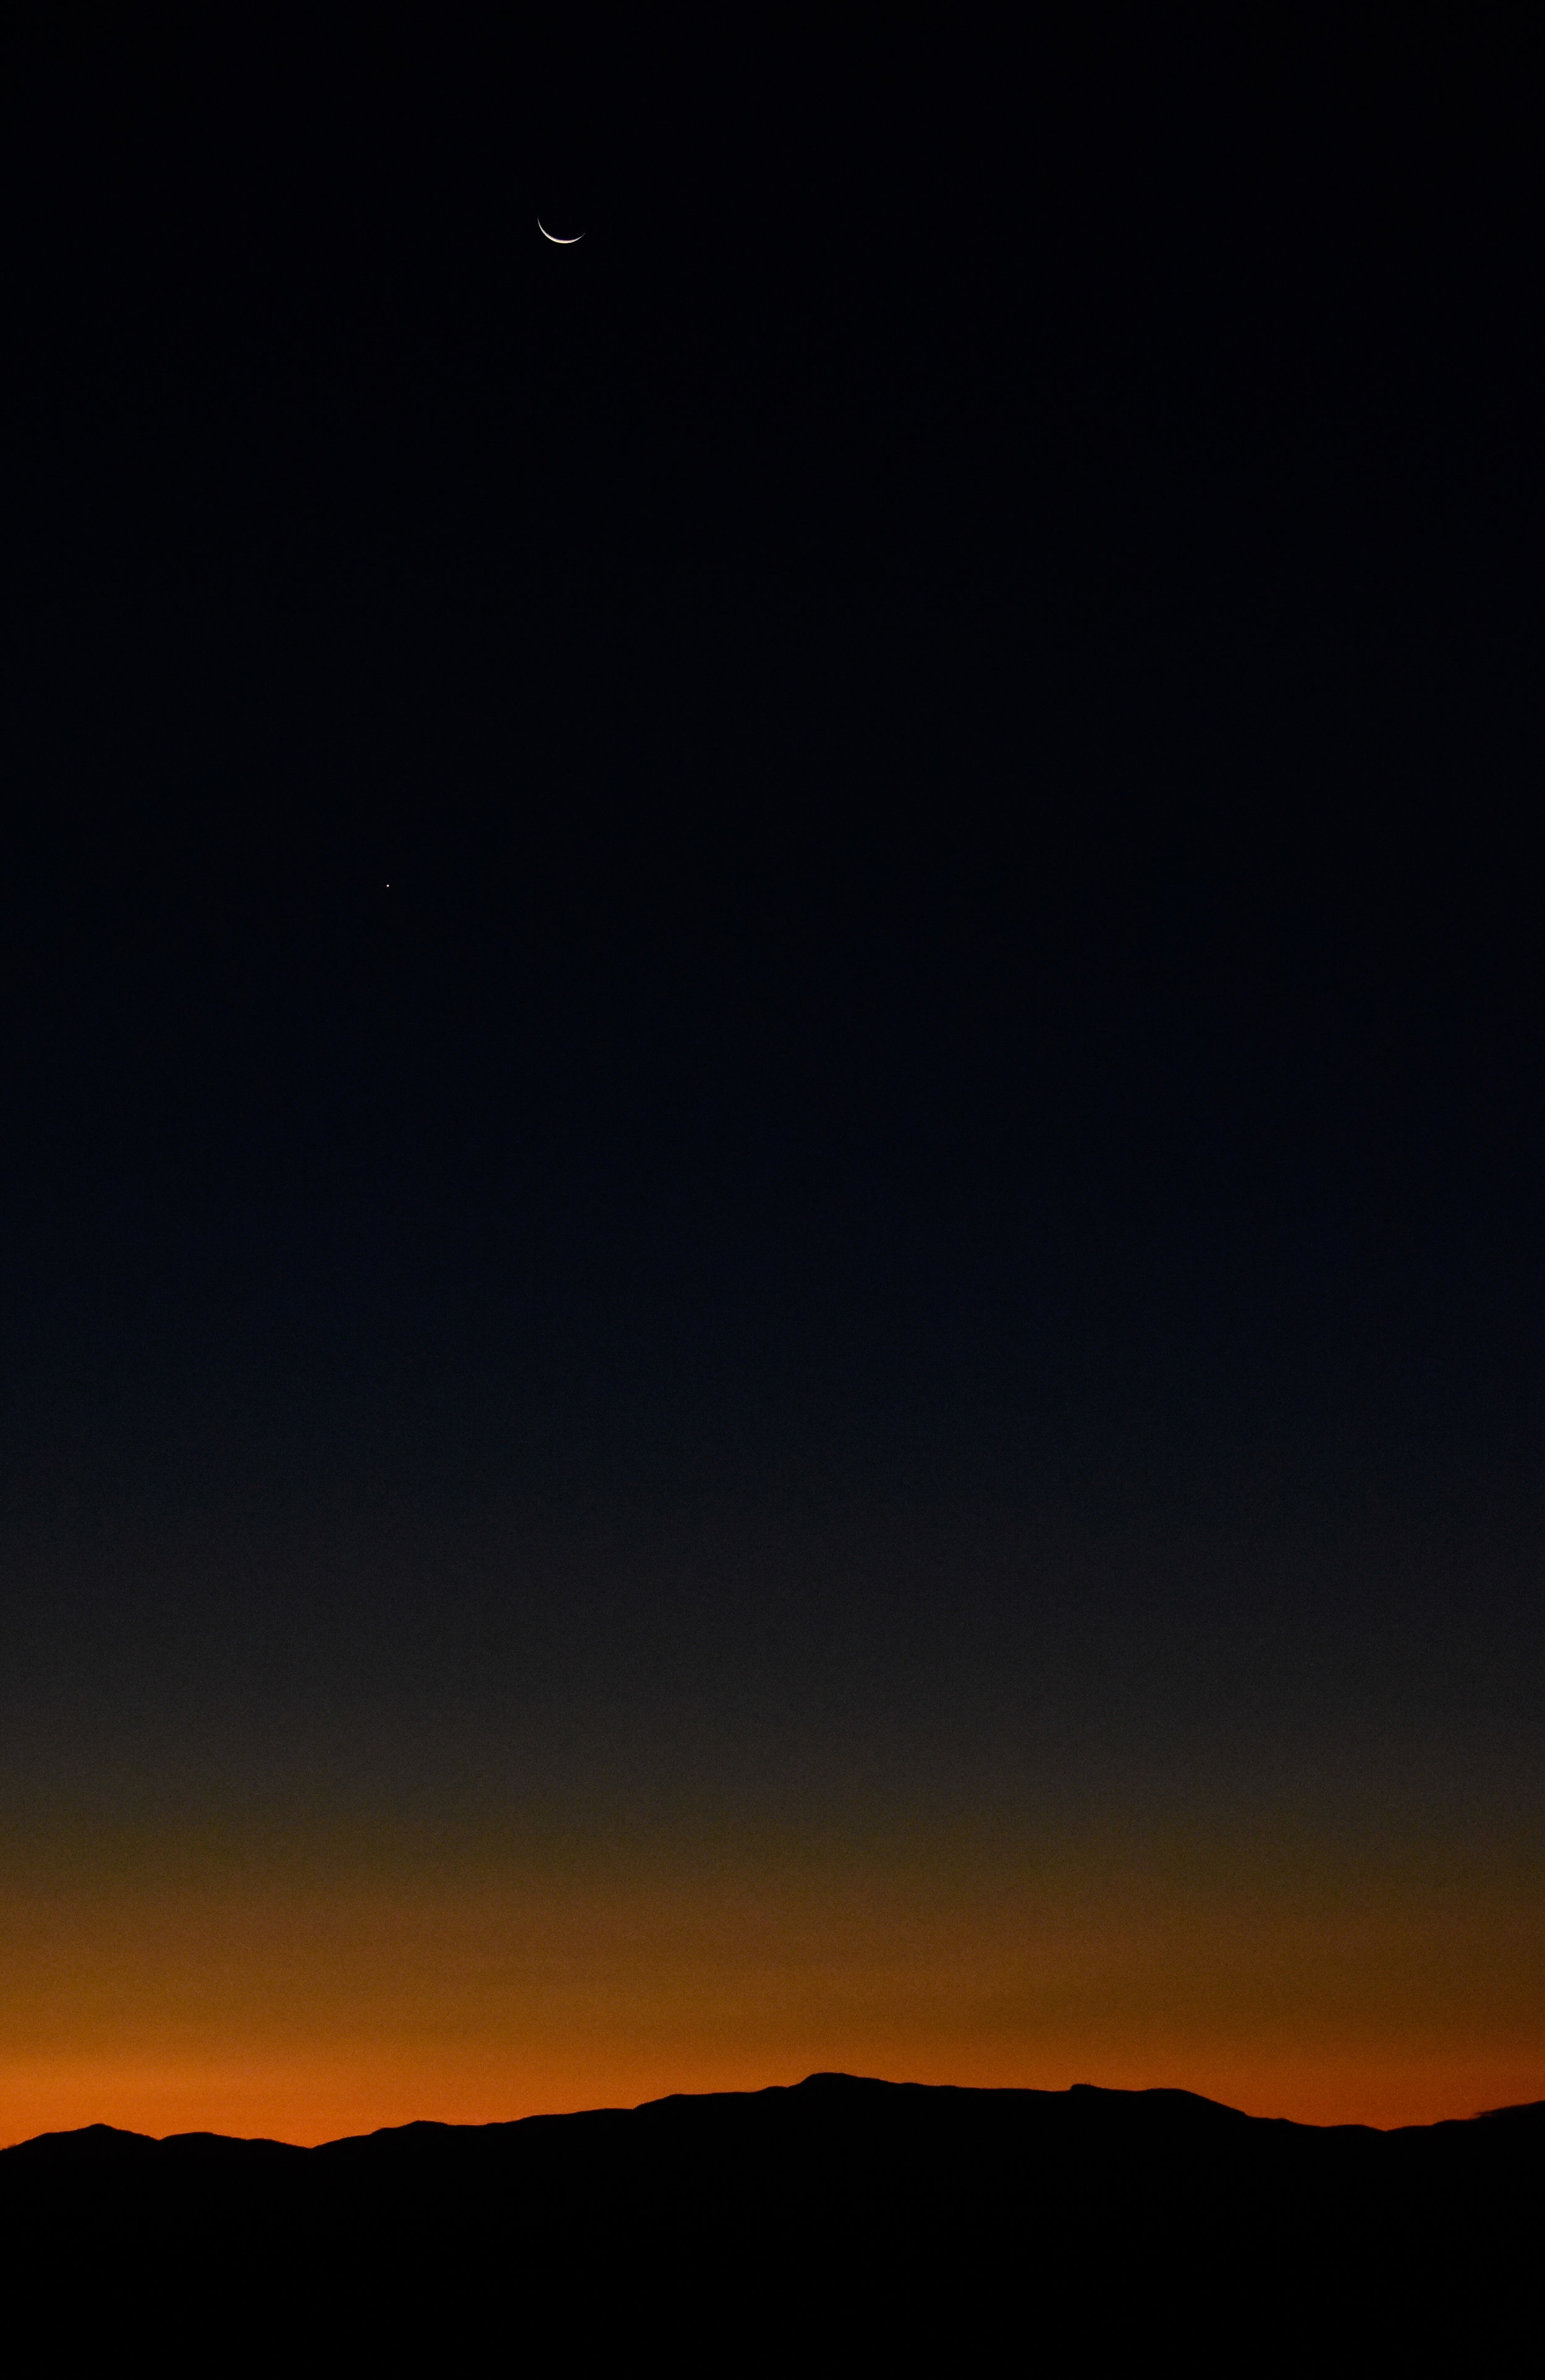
{"x": 770, "y": 1189}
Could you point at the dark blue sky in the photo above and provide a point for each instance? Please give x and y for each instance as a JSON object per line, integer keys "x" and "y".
{"x": 813, "y": 922}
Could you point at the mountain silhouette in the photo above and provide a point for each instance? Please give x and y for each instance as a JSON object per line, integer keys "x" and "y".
{"x": 842, "y": 2218}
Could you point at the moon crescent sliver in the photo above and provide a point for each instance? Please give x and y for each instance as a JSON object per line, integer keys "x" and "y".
{"x": 571, "y": 242}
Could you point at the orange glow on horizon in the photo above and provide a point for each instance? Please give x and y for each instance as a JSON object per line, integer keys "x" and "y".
{"x": 303, "y": 2007}
{"x": 325, "y": 2095}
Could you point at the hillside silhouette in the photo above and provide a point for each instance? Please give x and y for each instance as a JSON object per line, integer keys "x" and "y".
{"x": 844, "y": 2214}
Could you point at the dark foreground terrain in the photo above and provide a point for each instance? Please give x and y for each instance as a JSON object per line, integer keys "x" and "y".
{"x": 843, "y": 2223}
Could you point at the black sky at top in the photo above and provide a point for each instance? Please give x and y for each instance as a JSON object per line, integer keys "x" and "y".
{"x": 872, "y": 829}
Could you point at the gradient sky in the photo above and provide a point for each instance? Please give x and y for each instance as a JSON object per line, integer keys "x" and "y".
{"x": 771, "y": 1218}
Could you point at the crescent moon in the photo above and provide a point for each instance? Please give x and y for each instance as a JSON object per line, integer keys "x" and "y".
{"x": 572, "y": 242}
